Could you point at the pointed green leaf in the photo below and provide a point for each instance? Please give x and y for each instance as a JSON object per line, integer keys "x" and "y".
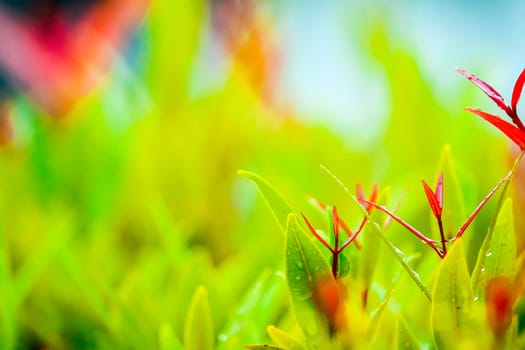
{"x": 451, "y": 299}
{"x": 500, "y": 257}
{"x": 259, "y": 306}
{"x": 405, "y": 338}
{"x": 198, "y": 330}
{"x": 262, "y": 347}
{"x": 306, "y": 268}
{"x": 283, "y": 339}
{"x": 485, "y": 247}
{"x": 167, "y": 339}
{"x": 277, "y": 204}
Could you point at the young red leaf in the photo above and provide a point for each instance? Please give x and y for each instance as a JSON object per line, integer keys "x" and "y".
{"x": 439, "y": 191}
{"x": 516, "y": 93}
{"x": 516, "y": 135}
{"x": 432, "y": 200}
{"x": 335, "y": 219}
{"x": 486, "y": 88}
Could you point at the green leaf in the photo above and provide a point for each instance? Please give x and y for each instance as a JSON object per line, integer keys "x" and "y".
{"x": 306, "y": 268}
{"x": 7, "y": 309}
{"x": 405, "y": 338}
{"x": 499, "y": 258}
{"x": 451, "y": 299}
{"x": 284, "y": 339}
{"x": 167, "y": 339}
{"x": 485, "y": 247}
{"x": 262, "y": 347}
{"x": 275, "y": 201}
{"x": 198, "y": 330}
{"x": 259, "y": 306}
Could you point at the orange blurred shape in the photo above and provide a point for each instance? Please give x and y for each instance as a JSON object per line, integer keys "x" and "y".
{"x": 499, "y": 301}
{"x": 329, "y": 297}
{"x": 56, "y": 60}
{"x": 248, "y": 37}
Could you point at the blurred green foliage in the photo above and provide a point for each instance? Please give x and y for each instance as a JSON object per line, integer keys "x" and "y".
{"x": 125, "y": 226}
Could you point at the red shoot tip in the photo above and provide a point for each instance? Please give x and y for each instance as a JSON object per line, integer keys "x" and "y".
{"x": 516, "y": 93}
{"x": 335, "y": 219}
{"x": 514, "y": 133}
{"x": 486, "y": 88}
{"x": 433, "y": 200}
{"x": 439, "y": 190}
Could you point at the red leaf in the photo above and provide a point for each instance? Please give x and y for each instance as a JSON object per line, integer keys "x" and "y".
{"x": 516, "y": 135}
{"x": 518, "y": 87}
{"x": 439, "y": 190}
{"x": 486, "y": 88}
{"x": 432, "y": 200}
{"x": 335, "y": 219}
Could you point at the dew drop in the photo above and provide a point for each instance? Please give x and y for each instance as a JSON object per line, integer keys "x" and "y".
{"x": 488, "y": 254}
{"x": 223, "y": 337}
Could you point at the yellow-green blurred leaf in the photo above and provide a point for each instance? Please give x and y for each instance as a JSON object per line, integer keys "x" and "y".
{"x": 198, "y": 330}
{"x": 284, "y": 339}
{"x": 451, "y": 299}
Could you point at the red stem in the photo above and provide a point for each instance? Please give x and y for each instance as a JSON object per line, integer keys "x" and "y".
{"x": 442, "y": 235}
{"x": 406, "y": 225}
{"x": 314, "y": 232}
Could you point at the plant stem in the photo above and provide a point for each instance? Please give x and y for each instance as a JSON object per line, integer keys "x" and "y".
{"x": 442, "y": 235}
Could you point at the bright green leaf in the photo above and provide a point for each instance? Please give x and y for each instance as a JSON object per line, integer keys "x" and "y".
{"x": 485, "y": 247}
{"x": 451, "y": 299}
{"x": 198, "y": 330}
{"x": 278, "y": 205}
{"x": 499, "y": 258}
{"x": 258, "y": 307}
{"x": 284, "y": 339}
{"x": 306, "y": 268}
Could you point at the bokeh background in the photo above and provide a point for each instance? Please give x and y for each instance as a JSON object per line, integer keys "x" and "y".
{"x": 124, "y": 124}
